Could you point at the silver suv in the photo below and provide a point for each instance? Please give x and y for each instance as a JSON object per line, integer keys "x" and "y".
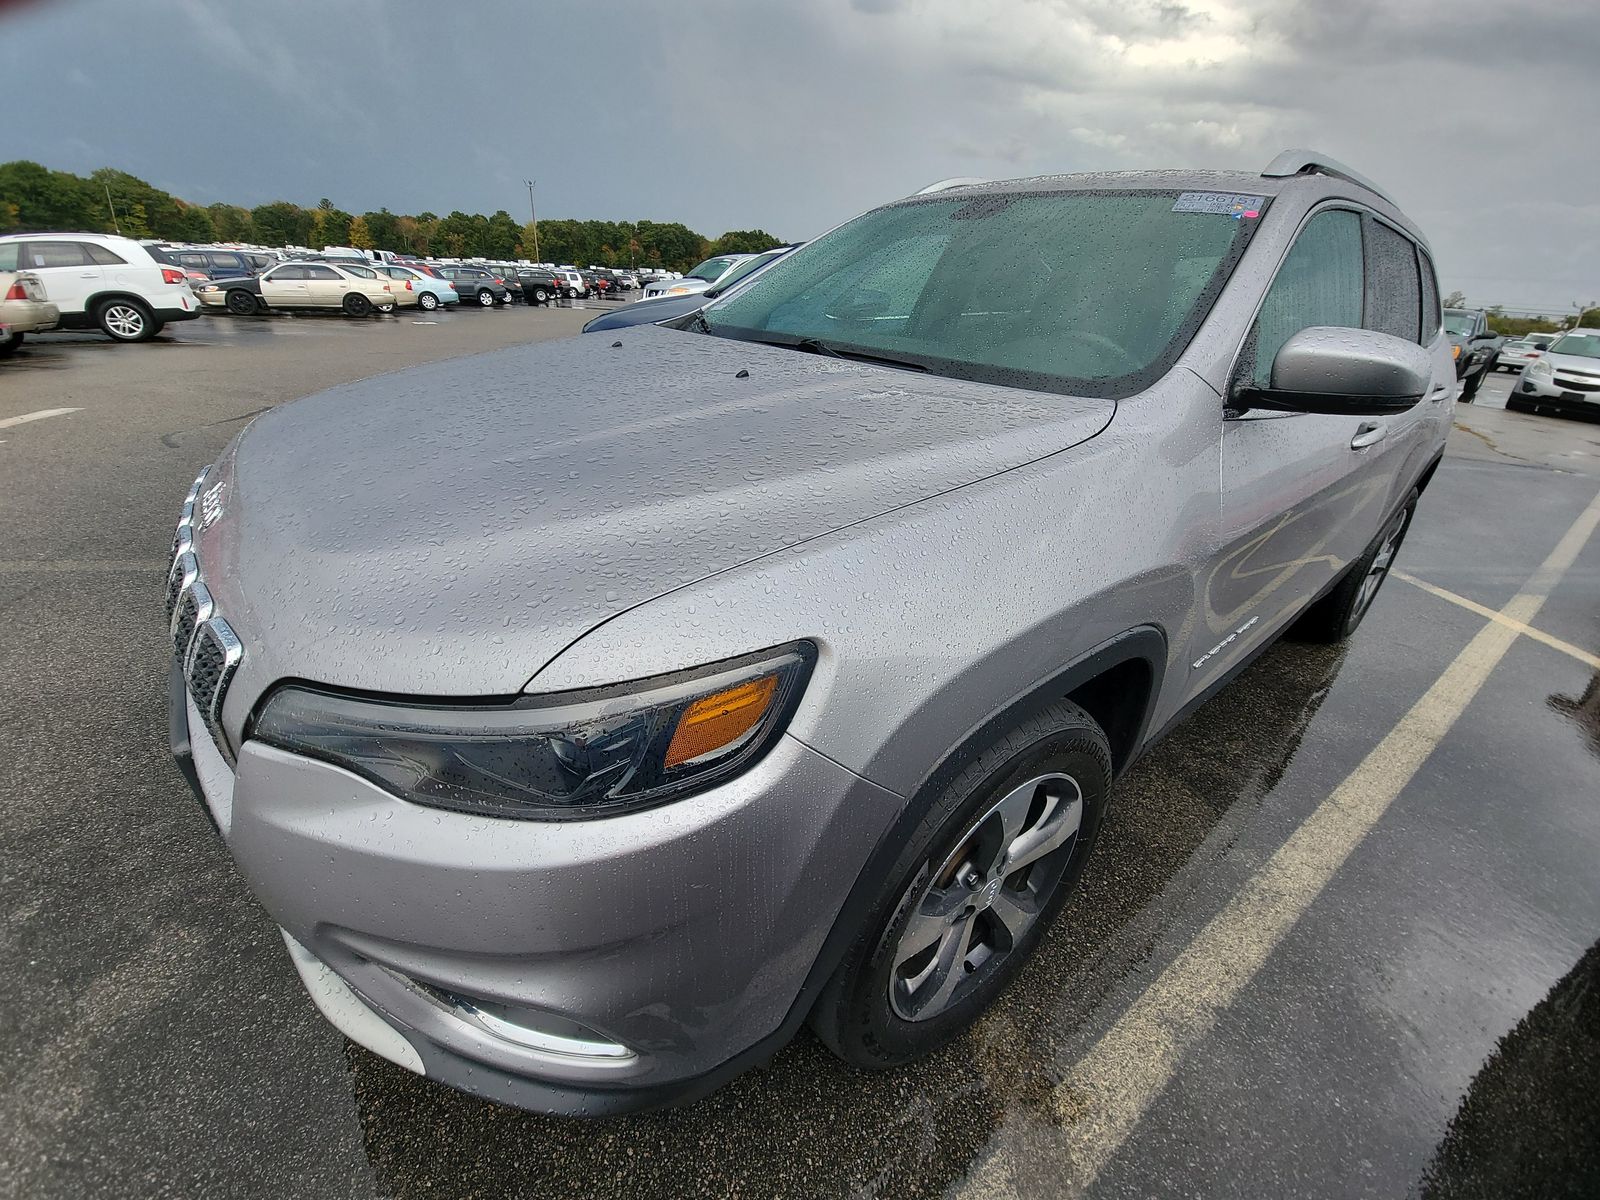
{"x": 584, "y": 751}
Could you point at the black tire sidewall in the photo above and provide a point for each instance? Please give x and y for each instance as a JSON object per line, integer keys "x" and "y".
{"x": 247, "y": 308}
{"x": 357, "y": 305}
{"x": 853, "y": 1015}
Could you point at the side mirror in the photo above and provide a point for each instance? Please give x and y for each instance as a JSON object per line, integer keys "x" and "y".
{"x": 1348, "y": 372}
{"x": 1486, "y": 336}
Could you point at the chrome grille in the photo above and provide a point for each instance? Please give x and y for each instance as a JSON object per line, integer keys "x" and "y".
{"x": 1578, "y": 383}
{"x": 207, "y": 650}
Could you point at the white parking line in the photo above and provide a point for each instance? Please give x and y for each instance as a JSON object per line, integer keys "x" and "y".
{"x": 1108, "y": 1091}
{"x": 37, "y": 416}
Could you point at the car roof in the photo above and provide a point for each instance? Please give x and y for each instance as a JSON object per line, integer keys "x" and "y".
{"x": 1293, "y": 171}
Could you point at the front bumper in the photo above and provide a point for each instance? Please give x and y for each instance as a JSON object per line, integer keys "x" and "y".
{"x": 676, "y": 939}
{"x": 1561, "y": 392}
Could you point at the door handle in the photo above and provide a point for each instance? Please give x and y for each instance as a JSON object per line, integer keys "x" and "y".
{"x": 89, "y": 275}
{"x": 1369, "y": 433}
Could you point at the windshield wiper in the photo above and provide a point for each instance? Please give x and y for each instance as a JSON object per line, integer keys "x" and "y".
{"x": 816, "y": 346}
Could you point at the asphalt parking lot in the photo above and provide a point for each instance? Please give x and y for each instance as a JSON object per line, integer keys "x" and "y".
{"x": 1339, "y": 937}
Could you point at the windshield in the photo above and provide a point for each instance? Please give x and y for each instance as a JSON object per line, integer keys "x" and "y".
{"x": 1094, "y": 293}
{"x": 1459, "y": 322}
{"x": 711, "y": 269}
{"x": 1584, "y": 345}
{"x": 747, "y": 267}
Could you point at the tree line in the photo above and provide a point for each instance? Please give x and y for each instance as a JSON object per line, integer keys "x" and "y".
{"x": 33, "y": 197}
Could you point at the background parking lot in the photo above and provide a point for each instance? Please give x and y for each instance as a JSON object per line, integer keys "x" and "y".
{"x": 158, "y": 1043}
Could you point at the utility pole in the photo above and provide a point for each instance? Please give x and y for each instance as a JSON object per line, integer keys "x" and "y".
{"x": 535, "y": 218}
{"x": 113, "y": 209}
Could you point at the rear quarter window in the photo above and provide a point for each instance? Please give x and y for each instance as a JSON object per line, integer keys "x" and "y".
{"x": 1394, "y": 291}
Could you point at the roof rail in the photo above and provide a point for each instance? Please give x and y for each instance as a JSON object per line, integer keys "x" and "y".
{"x": 945, "y": 185}
{"x": 1310, "y": 162}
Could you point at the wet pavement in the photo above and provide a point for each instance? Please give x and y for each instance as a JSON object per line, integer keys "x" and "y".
{"x": 1429, "y": 1024}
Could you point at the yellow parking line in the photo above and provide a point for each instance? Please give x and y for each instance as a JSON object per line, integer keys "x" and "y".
{"x": 1108, "y": 1091}
{"x": 1538, "y": 635}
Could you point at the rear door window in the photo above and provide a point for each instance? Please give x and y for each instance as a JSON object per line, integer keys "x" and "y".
{"x": 1321, "y": 282}
{"x": 1430, "y": 297}
{"x": 55, "y": 254}
{"x": 100, "y": 256}
{"x": 1394, "y": 291}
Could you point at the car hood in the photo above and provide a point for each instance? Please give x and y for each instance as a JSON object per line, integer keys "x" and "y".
{"x": 693, "y": 286}
{"x": 449, "y": 529}
{"x": 1577, "y": 364}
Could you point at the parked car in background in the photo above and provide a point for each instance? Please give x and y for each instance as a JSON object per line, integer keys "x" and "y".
{"x": 799, "y": 690}
{"x": 1565, "y": 380}
{"x": 539, "y": 284}
{"x": 1517, "y": 353}
{"x": 698, "y": 279}
{"x": 576, "y": 286}
{"x": 241, "y": 296}
{"x": 24, "y": 308}
{"x": 431, "y": 291}
{"x": 403, "y": 290}
{"x": 358, "y": 292}
{"x": 1474, "y": 345}
{"x": 208, "y": 263}
{"x": 99, "y": 280}
{"x": 476, "y": 286}
{"x": 666, "y": 308}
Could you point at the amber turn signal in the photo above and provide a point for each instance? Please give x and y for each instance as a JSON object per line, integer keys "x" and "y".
{"x": 720, "y": 720}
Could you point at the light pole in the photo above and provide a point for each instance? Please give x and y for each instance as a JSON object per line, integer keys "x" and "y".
{"x": 535, "y": 217}
{"x": 114, "y": 223}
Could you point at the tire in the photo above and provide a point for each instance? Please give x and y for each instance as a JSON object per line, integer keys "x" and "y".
{"x": 427, "y": 302}
{"x": 1336, "y": 616}
{"x": 891, "y": 999}
{"x": 386, "y": 309}
{"x": 241, "y": 303}
{"x": 486, "y": 298}
{"x": 1470, "y": 386}
{"x": 1516, "y": 404}
{"x": 126, "y": 321}
{"x": 10, "y": 345}
{"x": 356, "y": 305}
{"x": 540, "y": 296}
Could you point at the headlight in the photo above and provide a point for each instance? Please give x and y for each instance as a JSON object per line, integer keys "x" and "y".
{"x": 579, "y": 754}
{"x": 1543, "y": 367}
{"x": 210, "y": 287}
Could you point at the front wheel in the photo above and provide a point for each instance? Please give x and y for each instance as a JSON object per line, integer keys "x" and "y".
{"x": 10, "y": 345}
{"x": 240, "y": 302}
{"x": 126, "y": 321}
{"x": 1336, "y": 615}
{"x": 357, "y": 305}
{"x": 972, "y": 893}
{"x": 540, "y": 296}
{"x": 1470, "y": 386}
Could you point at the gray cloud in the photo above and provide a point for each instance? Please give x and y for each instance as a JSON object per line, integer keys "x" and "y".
{"x": 734, "y": 113}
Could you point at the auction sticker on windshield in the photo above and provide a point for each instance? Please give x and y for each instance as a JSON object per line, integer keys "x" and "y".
{"x": 1228, "y": 204}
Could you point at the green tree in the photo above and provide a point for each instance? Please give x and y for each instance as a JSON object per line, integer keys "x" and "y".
{"x": 383, "y": 227}
{"x": 35, "y": 197}
{"x": 1456, "y": 300}
{"x": 194, "y": 224}
{"x": 281, "y": 224}
{"x": 232, "y": 224}
{"x": 744, "y": 241}
{"x": 500, "y": 237}
{"x": 360, "y": 235}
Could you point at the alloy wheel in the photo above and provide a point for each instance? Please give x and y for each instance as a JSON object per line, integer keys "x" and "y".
{"x": 124, "y": 321}
{"x": 1381, "y": 562}
{"x": 986, "y": 895}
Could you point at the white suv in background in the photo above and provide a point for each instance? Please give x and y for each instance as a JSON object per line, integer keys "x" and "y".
{"x": 100, "y": 281}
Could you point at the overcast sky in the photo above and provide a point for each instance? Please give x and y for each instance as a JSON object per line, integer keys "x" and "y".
{"x": 1480, "y": 117}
